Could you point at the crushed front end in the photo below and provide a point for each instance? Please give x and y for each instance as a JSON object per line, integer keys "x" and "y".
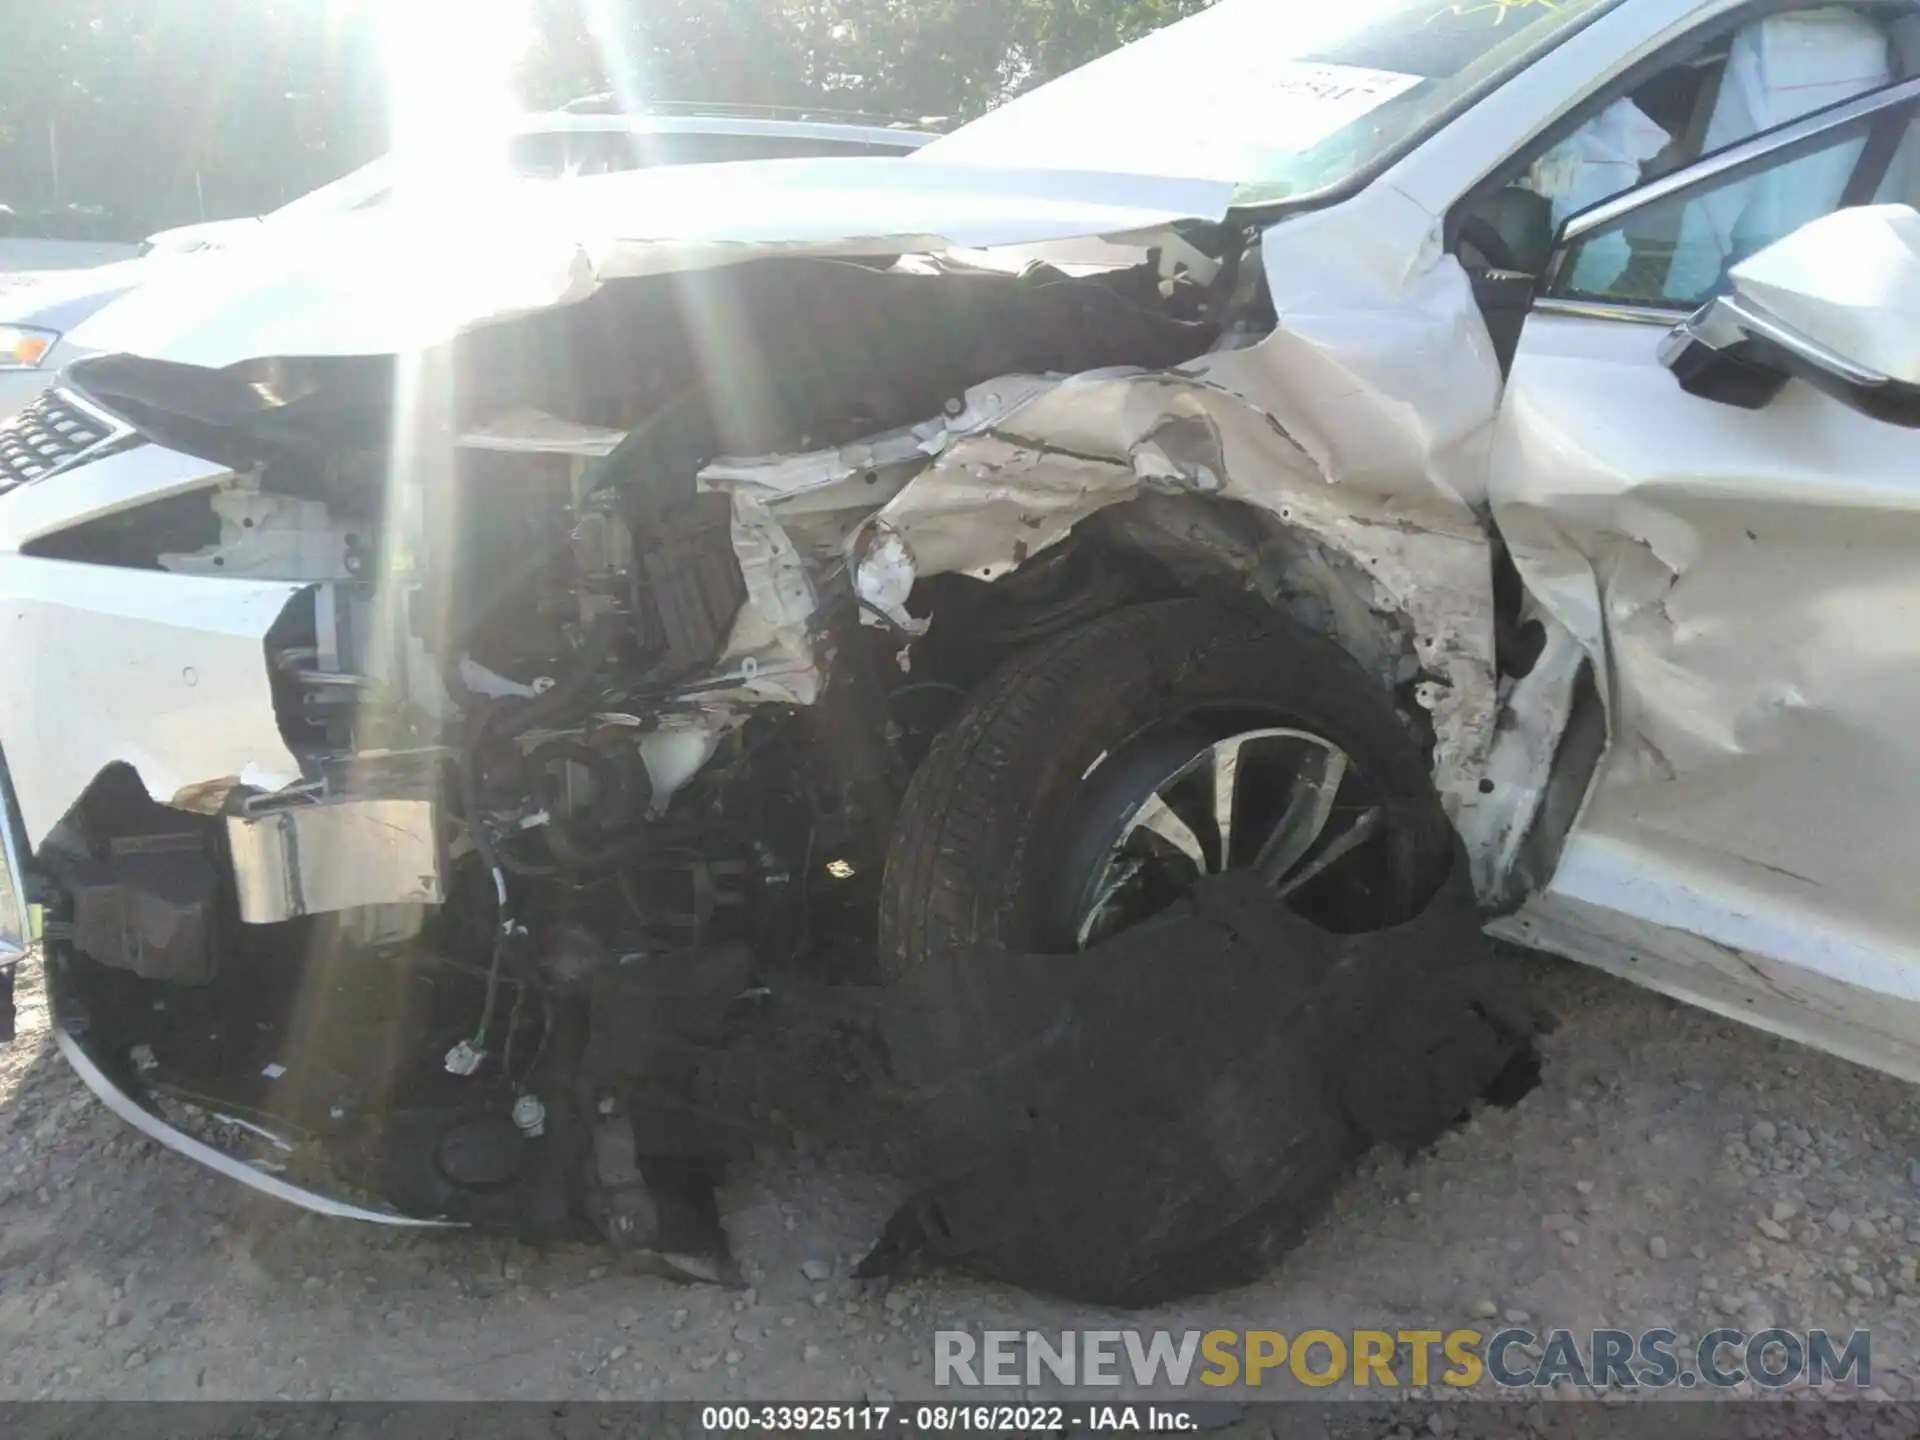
{"x": 425, "y": 763}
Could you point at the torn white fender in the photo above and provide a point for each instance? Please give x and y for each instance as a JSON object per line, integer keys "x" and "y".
{"x": 1026, "y": 460}
{"x": 1009, "y": 489}
{"x": 1396, "y": 366}
{"x": 1380, "y": 364}
{"x": 167, "y": 673}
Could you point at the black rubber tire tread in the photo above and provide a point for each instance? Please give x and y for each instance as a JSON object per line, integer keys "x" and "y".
{"x": 960, "y": 869}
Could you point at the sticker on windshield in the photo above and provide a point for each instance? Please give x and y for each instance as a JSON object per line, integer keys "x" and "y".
{"x": 1344, "y": 85}
{"x": 1314, "y": 100}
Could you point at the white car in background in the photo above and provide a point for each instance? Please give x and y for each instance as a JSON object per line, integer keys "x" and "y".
{"x": 1154, "y": 575}
{"x": 58, "y": 240}
{"x": 40, "y": 311}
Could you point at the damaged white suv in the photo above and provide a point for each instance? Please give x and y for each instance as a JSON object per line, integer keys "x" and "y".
{"x": 1312, "y": 462}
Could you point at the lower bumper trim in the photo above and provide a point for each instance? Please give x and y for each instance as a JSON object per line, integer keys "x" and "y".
{"x": 156, "y": 1128}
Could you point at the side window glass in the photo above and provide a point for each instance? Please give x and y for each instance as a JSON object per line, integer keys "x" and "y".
{"x": 1767, "y": 73}
{"x": 1675, "y": 252}
{"x": 1760, "y": 75}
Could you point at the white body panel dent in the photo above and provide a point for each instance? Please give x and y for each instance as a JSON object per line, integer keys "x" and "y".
{"x": 1360, "y": 423}
{"x": 165, "y": 672}
{"x": 1744, "y": 581}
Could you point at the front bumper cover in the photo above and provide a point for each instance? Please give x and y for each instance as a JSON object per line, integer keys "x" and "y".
{"x": 20, "y": 940}
{"x": 19, "y": 935}
{"x": 19, "y": 927}
{"x": 165, "y": 673}
{"x": 127, "y": 1099}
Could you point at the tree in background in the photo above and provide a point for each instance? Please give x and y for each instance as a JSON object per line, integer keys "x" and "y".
{"x": 168, "y": 111}
{"x": 951, "y": 58}
{"x": 165, "y": 112}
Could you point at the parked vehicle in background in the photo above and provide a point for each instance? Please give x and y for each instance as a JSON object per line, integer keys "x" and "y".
{"x": 591, "y": 137}
{"x": 73, "y": 237}
{"x": 38, "y": 314}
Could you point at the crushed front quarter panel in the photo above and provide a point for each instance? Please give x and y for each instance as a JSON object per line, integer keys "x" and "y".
{"x": 1027, "y": 460}
{"x": 167, "y": 673}
{"x": 1359, "y": 423}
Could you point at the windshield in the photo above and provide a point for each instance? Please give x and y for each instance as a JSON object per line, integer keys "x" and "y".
{"x": 1277, "y": 97}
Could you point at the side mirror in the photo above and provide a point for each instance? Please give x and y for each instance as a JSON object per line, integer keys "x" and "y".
{"x": 1836, "y": 304}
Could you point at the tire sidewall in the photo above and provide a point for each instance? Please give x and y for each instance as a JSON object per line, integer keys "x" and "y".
{"x": 1098, "y": 687}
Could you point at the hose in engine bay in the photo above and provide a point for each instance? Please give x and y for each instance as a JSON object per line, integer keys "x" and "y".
{"x": 503, "y": 721}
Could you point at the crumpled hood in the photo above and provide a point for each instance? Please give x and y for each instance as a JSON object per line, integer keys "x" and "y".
{"x": 419, "y": 270}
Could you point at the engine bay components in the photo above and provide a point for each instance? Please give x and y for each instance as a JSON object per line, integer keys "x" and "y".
{"x": 603, "y": 703}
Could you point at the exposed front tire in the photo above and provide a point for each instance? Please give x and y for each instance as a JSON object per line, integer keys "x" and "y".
{"x": 1095, "y": 775}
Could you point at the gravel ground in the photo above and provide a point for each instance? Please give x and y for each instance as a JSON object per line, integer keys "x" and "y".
{"x": 1671, "y": 1169}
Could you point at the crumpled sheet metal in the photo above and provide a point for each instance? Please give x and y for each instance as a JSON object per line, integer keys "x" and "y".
{"x": 400, "y": 278}
{"x": 1744, "y": 601}
{"x": 1361, "y": 422}
{"x": 1166, "y": 1112}
{"x": 1520, "y": 764}
{"x": 167, "y": 673}
{"x": 1381, "y": 368}
{"x": 1029, "y": 457}
{"x": 1019, "y": 479}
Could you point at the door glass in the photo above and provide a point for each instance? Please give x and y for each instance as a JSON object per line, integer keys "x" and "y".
{"x": 1766, "y": 73}
{"x": 1730, "y": 85}
{"x": 1675, "y": 252}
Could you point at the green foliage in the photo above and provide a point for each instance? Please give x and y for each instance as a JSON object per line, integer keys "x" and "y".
{"x": 884, "y": 57}
{"x": 163, "y": 111}
{"x": 168, "y": 111}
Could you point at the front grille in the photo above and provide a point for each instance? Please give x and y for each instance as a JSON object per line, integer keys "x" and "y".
{"x": 56, "y": 432}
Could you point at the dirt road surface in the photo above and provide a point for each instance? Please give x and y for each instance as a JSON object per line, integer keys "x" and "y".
{"x": 1671, "y": 1169}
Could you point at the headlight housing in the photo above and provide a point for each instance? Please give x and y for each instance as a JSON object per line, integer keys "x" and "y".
{"x": 23, "y": 347}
